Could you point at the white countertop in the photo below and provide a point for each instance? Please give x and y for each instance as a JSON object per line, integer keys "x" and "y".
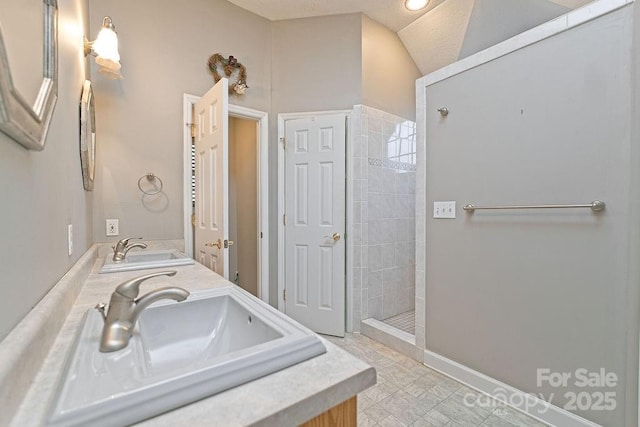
{"x": 288, "y": 397}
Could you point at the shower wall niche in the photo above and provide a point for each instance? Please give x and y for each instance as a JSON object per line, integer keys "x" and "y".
{"x": 383, "y": 220}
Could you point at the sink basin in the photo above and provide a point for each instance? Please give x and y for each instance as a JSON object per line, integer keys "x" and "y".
{"x": 144, "y": 259}
{"x": 180, "y": 352}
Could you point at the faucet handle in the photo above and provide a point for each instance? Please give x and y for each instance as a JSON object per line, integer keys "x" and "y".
{"x": 125, "y": 241}
{"x": 131, "y": 288}
{"x": 101, "y": 308}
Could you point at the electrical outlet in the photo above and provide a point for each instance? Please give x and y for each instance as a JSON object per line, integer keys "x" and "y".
{"x": 113, "y": 229}
{"x": 444, "y": 210}
{"x": 70, "y": 238}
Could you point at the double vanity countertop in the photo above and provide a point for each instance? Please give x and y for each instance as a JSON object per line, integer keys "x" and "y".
{"x": 287, "y": 397}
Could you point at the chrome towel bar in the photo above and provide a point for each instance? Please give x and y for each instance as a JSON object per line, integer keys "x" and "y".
{"x": 595, "y": 206}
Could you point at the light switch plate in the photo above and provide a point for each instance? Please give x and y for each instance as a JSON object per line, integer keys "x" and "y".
{"x": 444, "y": 210}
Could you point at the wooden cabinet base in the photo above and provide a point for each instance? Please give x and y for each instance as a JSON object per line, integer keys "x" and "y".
{"x": 342, "y": 415}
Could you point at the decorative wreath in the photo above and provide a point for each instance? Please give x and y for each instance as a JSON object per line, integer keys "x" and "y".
{"x": 231, "y": 67}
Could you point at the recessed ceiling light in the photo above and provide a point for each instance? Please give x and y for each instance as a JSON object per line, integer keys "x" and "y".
{"x": 416, "y": 4}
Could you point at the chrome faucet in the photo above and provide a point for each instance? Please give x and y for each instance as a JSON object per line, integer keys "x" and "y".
{"x": 122, "y": 247}
{"x": 124, "y": 309}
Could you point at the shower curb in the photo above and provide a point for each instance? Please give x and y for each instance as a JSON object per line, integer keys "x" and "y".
{"x": 398, "y": 340}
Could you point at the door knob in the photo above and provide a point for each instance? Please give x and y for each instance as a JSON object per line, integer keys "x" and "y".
{"x": 217, "y": 244}
{"x": 335, "y": 237}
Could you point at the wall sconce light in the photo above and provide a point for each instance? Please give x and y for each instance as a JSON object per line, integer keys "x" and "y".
{"x": 105, "y": 49}
{"x": 416, "y": 4}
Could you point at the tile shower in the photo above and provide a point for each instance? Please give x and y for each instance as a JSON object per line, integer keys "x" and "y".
{"x": 383, "y": 216}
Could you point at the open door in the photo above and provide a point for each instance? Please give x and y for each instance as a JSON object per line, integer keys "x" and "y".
{"x": 211, "y": 117}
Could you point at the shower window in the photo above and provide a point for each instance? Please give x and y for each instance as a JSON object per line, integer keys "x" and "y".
{"x": 401, "y": 146}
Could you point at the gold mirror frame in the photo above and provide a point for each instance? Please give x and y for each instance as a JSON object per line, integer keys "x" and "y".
{"x": 87, "y": 136}
{"x": 26, "y": 124}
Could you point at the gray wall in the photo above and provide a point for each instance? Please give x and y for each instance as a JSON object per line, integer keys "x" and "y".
{"x": 317, "y": 63}
{"x": 633, "y": 311}
{"x": 42, "y": 192}
{"x": 336, "y": 62}
{"x": 388, "y": 72}
{"x": 164, "y": 47}
{"x": 510, "y": 292}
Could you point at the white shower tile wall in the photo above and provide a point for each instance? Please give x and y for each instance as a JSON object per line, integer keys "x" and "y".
{"x": 383, "y": 220}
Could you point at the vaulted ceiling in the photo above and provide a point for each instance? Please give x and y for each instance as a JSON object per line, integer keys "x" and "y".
{"x": 442, "y": 33}
{"x": 390, "y": 13}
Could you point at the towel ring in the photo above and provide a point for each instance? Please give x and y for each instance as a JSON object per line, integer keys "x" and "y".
{"x": 150, "y": 177}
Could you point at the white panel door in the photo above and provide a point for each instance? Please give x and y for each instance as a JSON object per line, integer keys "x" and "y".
{"x": 315, "y": 222}
{"x": 211, "y": 117}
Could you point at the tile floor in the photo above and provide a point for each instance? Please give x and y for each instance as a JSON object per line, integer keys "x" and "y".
{"x": 410, "y": 394}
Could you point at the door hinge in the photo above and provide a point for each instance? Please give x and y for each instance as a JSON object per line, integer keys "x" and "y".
{"x": 284, "y": 143}
{"x": 284, "y": 219}
{"x": 192, "y": 126}
{"x": 193, "y": 219}
{"x": 284, "y": 295}
{"x": 261, "y": 234}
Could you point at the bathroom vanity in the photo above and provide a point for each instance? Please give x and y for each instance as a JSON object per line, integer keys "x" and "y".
{"x": 318, "y": 391}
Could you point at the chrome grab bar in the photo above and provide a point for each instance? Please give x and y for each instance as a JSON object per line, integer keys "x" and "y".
{"x": 595, "y": 206}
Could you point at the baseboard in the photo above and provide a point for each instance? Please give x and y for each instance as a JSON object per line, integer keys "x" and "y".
{"x": 529, "y": 404}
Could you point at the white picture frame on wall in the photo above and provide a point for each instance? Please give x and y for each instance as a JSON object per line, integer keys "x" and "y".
{"x": 28, "y": 124}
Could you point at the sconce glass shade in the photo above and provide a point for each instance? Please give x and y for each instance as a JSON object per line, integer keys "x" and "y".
{"x": 105, "y": 48}
{"x": 416, "y": 4}
{"x": 106, "y": 45}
